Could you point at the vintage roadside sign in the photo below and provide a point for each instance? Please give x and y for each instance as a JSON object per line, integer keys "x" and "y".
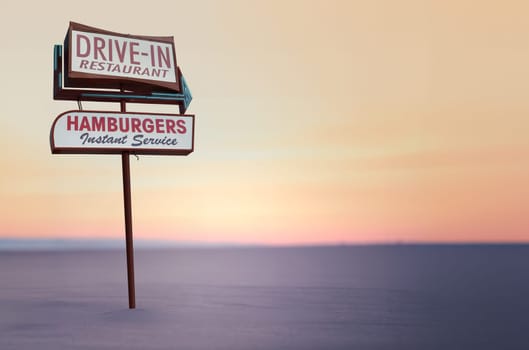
{"x": 113, "y": 133}
{"x": 104, "y": 66}
{"x": 99, "y": 58}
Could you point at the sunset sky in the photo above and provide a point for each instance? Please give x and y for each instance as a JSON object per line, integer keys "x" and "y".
{"x": 316, "y": 122}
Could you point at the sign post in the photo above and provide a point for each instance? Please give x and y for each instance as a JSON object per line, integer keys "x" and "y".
{"x": 125, "y": 165}
{"x": 97, "y": 63}
{"x": 127, "y": 203}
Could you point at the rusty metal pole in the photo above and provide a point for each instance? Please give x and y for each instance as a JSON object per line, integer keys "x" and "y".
{"x": 125, "y": 166}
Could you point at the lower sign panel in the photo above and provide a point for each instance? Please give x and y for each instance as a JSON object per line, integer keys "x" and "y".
{"x": 96, "y": 132}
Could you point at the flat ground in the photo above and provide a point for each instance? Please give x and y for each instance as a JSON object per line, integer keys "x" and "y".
{"x": 395, "y": 297}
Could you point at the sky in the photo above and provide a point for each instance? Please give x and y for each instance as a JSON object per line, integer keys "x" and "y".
{"x": 317, "y": 122}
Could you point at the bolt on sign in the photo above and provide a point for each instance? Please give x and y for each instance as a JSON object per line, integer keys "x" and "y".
{"x": 100, "y": 65}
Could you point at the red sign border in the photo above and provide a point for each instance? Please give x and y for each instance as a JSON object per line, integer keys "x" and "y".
{"x": 99, "y": 81}
{"x": 139, "y": 151}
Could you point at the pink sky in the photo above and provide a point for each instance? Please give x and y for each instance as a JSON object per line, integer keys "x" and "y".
{"x": 316, "y": 122}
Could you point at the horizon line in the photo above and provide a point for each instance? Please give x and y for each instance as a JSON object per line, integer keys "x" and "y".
{"x": 67, "y": 244}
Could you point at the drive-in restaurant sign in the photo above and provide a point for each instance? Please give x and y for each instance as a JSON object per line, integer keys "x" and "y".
{"x": 106, "y": 59}
{"x": 103, "y": 66}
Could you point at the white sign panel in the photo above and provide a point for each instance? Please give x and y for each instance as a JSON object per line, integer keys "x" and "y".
{"x": 113, "y": 132}
{"x": 99, "y": 58}
{"x": 118, "y": 56}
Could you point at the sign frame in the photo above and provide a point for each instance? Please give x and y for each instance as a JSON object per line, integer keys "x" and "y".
{"x": 182, "y": 99}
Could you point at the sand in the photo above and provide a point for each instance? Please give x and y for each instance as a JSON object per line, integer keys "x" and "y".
{"x": 273, "y": 298}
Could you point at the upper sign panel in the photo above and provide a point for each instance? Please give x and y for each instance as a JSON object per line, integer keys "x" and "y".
{"x": 101, "y": 59}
